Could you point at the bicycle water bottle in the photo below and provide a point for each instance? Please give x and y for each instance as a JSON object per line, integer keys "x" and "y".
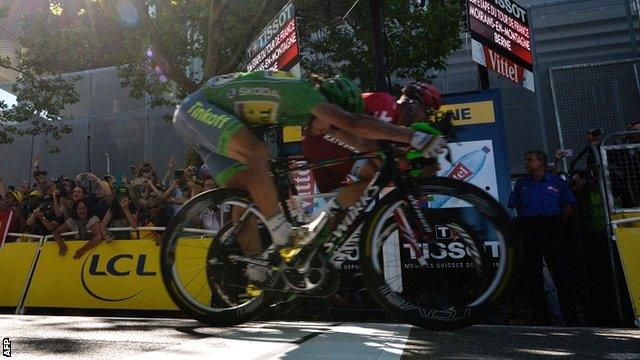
{"x": 465, "y": 169}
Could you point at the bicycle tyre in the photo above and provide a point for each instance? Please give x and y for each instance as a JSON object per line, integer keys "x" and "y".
{"x": 205, "y": 314}
{"x": 439, "y": 318}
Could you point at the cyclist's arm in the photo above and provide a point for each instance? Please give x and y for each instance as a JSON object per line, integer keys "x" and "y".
{"x": 360, "y": 143}
{"x": 364, "y": 126}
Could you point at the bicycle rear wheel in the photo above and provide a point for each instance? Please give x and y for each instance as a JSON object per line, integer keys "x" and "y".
{"x": 199, "y": 272}
{"x": 461, "y": 266}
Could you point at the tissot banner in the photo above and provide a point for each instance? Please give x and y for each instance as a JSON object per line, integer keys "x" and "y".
{"x": 276, "y": 48}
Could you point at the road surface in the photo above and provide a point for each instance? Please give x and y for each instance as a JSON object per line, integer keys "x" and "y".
{"x": 55, "y": 337}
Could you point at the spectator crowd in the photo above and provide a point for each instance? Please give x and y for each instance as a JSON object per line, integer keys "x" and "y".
{"x": 90, "y": 206}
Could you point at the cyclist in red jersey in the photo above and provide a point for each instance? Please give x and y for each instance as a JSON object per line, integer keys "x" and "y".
{"x": 317, "y": 146}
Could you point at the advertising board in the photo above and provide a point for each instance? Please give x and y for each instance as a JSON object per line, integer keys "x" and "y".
{"x": 501, "y": 39}
{"x": 276, "y": 48}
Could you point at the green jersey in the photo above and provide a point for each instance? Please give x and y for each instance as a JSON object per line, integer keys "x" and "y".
{"x": 264, "y": 97}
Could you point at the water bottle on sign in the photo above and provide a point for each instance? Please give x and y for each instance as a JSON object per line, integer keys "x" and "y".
{"x": 465, "y": 169}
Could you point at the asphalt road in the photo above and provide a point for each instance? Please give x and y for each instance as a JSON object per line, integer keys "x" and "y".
{"x": 45, "y": 337}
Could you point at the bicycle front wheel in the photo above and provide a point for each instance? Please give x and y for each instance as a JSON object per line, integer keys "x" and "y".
{"x": 453, "y": 272}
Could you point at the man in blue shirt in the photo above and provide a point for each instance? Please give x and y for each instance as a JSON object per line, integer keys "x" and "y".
{"x": 543, "y": 202}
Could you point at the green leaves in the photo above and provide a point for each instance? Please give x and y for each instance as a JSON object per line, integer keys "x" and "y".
{"x": 165, "y": 49}
{"x": 418, "y": 40}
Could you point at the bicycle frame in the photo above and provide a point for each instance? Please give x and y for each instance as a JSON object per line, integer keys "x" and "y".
{"x": 355, "y": 216}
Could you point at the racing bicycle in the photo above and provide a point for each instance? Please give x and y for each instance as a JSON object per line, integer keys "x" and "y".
{"x": 433, "y": 267}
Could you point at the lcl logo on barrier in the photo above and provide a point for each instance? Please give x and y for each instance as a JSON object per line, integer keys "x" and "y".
{"x": 120, "y": 265}
{"x": 111, "y": 269}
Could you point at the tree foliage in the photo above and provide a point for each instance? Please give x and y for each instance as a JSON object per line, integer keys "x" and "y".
{"x": 417, "y": 39}
{"x": 165, "y": 49}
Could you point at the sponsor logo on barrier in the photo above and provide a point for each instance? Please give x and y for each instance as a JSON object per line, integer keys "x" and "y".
{"x": 118, "y": 265}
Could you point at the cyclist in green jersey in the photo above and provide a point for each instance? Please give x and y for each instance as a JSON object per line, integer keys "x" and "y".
{"x": 217, "y": 117}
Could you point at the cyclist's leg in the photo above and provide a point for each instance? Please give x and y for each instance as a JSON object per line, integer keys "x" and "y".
{"x": 229, "y": 173}
{"x": 245, "y": 147}
{"x": 318, "y": 147}
{"x": 364, "y": 170}
{"x": 223, "y": 134}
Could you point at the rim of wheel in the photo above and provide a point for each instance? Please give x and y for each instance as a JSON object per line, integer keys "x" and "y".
{"x": 177, "y": 279}
{"x": 376, "y": 248}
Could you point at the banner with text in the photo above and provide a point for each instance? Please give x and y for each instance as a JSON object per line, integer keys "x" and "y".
{"x": 276, "y": 48}
{"x": 501, "y": 33}
{"x": 123, "y": 274}
{"x": 492, "y": 60}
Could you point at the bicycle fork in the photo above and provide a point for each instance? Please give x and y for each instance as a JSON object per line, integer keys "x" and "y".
{"x": 407, "y": 234}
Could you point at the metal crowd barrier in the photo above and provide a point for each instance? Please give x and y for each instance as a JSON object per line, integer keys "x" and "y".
{"x": 23, "y": 295}
{"x": 619, "y": 163}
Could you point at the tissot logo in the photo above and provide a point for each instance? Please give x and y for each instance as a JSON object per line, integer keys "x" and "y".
{"x": 100, "y": 269}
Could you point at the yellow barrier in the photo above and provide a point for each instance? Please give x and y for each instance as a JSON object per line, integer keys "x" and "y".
{"x": 124, "y": 274}
{"x": 15, "y": 262}
{"x": 628, "y": 241}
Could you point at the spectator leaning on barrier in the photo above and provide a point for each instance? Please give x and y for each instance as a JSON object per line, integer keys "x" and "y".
{"x": 121, "y": 213}
{"x": 102, "y": 192}
{"x": 543, "y": 203}
{"x": 83, "y": 221}
{"x": 157, "y": 213}
{"x": 32, "y": 211}
{"x": 42, "y": 221}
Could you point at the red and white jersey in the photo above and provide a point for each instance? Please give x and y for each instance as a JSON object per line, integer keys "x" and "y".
{"x": 381, "y": 105}
{"x": 316, "y": 148}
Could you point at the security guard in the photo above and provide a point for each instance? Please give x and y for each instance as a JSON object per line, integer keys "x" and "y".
{"x": 543, "y": 203}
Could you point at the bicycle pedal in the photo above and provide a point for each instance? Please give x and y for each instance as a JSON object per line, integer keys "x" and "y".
{"x": 253, "y": 291}
{"x": 287, "y": 254}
